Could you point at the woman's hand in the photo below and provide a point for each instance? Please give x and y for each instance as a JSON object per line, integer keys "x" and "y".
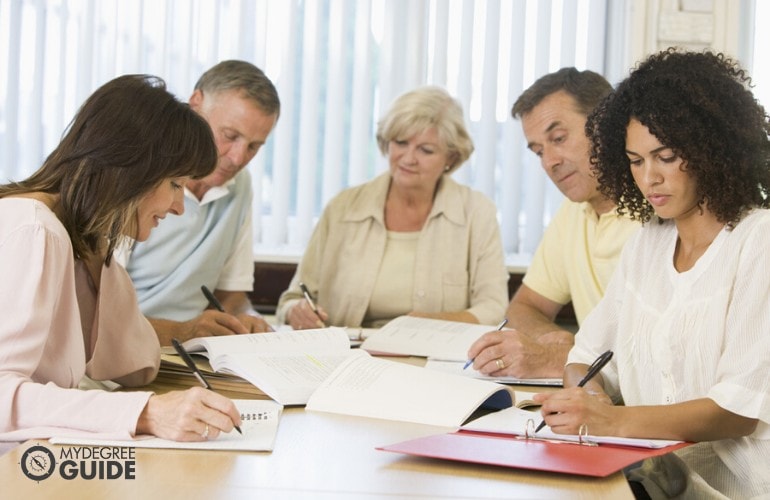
{"x": 302, "y": 317}
{"x": 196, "y": 414}
{"x": 567, "y": 410}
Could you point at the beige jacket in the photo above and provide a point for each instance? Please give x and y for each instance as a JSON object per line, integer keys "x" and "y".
{"x": 459, "y": 263}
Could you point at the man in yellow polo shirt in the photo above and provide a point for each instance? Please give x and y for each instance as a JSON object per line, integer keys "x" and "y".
{"x": 580, "y": 247}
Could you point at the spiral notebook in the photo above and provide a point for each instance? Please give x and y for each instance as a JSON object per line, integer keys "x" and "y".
{"x": 259, "y": 423}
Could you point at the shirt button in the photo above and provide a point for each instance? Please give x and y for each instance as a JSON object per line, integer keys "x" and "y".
{"x": 421, "y": 293}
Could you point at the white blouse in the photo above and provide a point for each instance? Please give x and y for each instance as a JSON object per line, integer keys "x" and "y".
{"x": 703, "y": 333}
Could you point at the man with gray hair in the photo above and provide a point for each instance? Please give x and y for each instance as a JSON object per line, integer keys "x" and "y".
{"x": 211, "y": 243}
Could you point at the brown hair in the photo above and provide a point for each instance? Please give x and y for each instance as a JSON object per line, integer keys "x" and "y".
{"x": 127, "y": 137}
{"x": 587, "y": 88}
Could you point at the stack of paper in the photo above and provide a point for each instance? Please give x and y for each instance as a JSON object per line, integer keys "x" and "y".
{"x": 174, "y": 375}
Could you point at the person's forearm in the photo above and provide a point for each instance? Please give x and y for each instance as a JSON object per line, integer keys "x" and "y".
{"x": 168, "y": 329}
{"x": 529, "y": 320}
{"x": 552, "y": 365}
{"x": 235, "y": 302}
{"x": 696, "y": 420}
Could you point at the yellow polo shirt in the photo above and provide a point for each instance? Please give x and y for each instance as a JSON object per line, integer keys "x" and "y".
{"x": 577, "y": 255}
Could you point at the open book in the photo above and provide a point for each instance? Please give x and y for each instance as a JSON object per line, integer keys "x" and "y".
{"x": 445, "y": 343}
{"x": 372, "y": 387}
{"x": 433, "y": 338}
{"x": 259, "y": 424}
{"x": 288, "y": 366}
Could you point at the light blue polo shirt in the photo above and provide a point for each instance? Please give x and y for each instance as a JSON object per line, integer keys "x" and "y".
{"x": 187, "y": 251}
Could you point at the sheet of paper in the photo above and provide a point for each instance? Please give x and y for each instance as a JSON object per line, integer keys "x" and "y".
{"x": 516, "y": 421}
{"x": 378, "y": 388}
{"x": 259, "y": 423}
{"x": 286, "y": 365}
{"x": 425, "y": 337}
{"x": 456, "y": 368}
{"x": 322, "y": 340}
{"x": 288, "y": 379}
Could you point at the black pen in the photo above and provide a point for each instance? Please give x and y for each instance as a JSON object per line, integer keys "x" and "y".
{"x": 194, "y": 369}
{"x": 499, "y": 327}
{"x": 309, "y": 299}
{"x": 212, "y": 300}
{"x": 595, "y": 367}
{"x": 218, "y": 305}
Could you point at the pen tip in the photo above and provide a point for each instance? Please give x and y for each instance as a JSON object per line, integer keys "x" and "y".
{"x": 238, "y": 429}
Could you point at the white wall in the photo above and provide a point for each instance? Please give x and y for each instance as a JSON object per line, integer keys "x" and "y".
{"x": 723, "y": 25}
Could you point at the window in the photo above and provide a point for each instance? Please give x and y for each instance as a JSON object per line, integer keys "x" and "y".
{"x": 337, "y": 65}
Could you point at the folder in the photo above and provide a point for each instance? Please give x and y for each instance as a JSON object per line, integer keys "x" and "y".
{"x": 584, "y": 457}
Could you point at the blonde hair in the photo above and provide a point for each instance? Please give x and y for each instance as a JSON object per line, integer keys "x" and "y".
{"x": 421, "y": 109}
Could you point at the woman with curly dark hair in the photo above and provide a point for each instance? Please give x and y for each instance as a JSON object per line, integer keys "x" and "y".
{"x": 683, "y": 146}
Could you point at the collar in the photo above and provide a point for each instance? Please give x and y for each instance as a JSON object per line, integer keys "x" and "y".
{"x": 212, "y": 194}
{"x": 370, "y": 201}
{"x": 589, "y": 212}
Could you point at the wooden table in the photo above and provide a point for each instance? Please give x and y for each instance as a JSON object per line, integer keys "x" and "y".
{"x": 316, "y": 455}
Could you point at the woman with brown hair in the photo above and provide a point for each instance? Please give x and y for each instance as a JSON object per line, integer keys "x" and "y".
{"x": 68, "y": 309}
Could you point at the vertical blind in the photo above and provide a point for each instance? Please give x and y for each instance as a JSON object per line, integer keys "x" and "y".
{"x": 337, "y": 64}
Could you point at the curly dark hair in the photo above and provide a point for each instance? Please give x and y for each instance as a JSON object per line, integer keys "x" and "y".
{"x": 699, "y": 105}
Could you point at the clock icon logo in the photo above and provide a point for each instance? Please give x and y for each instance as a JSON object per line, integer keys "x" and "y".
{"x": 38, "y": 463}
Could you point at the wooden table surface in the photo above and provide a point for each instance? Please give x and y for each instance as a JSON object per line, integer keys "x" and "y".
{"x": 316, "y": 455}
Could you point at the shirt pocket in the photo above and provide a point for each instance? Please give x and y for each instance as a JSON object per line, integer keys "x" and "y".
{"x": 455, "y": 291}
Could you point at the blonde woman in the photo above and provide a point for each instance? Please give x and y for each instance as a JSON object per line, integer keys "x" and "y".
{"x": 412, "y": 240}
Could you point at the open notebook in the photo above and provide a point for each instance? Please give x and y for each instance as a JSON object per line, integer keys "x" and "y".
{"x": 259, "y": 424}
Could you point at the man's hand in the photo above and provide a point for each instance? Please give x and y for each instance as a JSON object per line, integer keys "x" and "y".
{"x": 254, "y": 323}
{"x": 510, "y": 353}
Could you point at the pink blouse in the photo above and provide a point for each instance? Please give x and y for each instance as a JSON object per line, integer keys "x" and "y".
{"x": 55, "y": 327}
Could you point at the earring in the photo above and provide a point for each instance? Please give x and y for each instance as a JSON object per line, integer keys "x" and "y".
{"x": 446, "y": 169}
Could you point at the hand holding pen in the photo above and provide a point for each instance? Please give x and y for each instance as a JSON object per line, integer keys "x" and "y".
{"x": 245, "y": 319}
{"x": 499, "y": 360}
{"x": 195, "y": 371}
{"x": 311, "y": 303}
{"x": 593, "y": 370}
